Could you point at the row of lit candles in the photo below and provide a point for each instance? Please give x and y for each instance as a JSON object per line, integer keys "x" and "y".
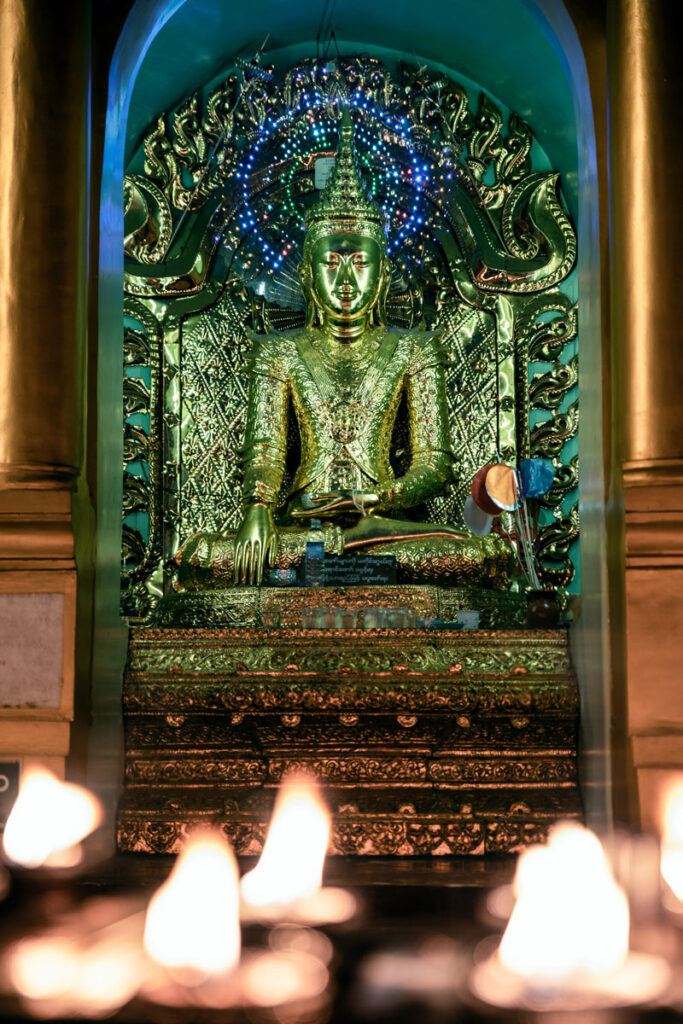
{"x": 567, "y": 943}
{"x": 184, "y": 948}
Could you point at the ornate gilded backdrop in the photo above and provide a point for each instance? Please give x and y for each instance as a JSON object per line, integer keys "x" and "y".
{"x": 479, "y": 243}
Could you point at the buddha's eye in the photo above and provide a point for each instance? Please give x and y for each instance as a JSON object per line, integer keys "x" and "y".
{"x": 360, "y": 261}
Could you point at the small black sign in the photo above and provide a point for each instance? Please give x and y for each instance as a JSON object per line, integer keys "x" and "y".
{"x": 358, "y": 570}
{"x": 9, "y": 787}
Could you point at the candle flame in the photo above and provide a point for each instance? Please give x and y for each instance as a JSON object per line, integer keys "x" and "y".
{"x": 571, "y": 918}
{"x": 192, "y": 922}
{"x": 61, "y": 976}
{"x": 109, "y": 975}
{"x": 279, "y": 978}
{"x": 43, "y": 968}
{"x": 48, "y": 821}
{"x": 672, "y": 838}
{"x": 291, "y": 865}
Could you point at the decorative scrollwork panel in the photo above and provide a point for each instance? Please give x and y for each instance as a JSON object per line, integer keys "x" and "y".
{"x": 215, "y": 202}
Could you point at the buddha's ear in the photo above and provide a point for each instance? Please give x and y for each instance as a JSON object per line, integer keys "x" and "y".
{"x": 383, "y": 291}
{"x": 304, "y": 273}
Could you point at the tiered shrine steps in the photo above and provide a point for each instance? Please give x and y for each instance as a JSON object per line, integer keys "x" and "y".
{"x": 426, "y": 743}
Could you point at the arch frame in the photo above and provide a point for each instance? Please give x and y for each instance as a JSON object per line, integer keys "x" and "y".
{"x": 590, "y": 635}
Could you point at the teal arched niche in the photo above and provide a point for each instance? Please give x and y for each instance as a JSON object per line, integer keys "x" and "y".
{"x": 526, "y": 54}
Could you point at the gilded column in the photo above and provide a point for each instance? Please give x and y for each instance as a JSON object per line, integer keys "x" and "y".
{"x": 43, "y": 197}
{"x": 43, "y": 93}
{"x": 646, "y": 169}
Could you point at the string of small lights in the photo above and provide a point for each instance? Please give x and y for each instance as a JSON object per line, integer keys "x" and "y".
{"x": 275, "y": 177}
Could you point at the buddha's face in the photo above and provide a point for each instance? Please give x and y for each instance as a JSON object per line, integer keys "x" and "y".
{"x": 346, "y": 272}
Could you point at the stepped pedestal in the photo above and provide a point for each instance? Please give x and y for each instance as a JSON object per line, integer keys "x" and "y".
{"x": 426, "y": 743}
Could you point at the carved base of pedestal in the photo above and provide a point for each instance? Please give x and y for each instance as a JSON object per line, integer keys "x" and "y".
{"x": 249, "y": 607}
{"x": 387, "y": 821}
{"x": 450, "y": 743}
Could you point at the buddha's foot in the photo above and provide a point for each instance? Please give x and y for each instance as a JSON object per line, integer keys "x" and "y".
{"x": 433, "y": 553}
{"x": 469, "y": 561}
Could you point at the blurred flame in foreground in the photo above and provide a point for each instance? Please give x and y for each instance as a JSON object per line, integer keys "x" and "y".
{"x": 431, "y": 971}
{"x": 48, "y": 821}
{"x": 75, "y": 971}
{"x": 192, "y": 921}
{"x": 570, "y": 918}
{"x": 291, "y": 865}
{"x": 277, "y": 978}
{"x": 44, "y": 968}
{"x": 672, "y": 838}
{"x": 185, "y": 951}
{"x": 566, "y": 946}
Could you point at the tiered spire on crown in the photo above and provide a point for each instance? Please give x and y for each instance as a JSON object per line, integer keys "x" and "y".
{"x": 344, "y": 205}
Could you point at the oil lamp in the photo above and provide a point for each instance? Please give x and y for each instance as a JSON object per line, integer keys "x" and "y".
{"x": 192, "y": 936}
{"x": 286, "y": 884}
{"x": 672, "y": 845}
{"x": 90, "y": 958}
{"x": 192, "y": 926}
{"x": 566, "y": 945}
{"x": 48, "y": 822}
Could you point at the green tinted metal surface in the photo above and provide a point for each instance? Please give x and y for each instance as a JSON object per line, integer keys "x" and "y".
{"x": 492, "y": 252}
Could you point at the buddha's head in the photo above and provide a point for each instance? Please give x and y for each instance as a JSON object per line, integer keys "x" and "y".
{"x": 344, "y": 273}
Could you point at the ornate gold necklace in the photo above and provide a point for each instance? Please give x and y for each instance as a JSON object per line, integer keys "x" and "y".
{"x": 341, "y": 355}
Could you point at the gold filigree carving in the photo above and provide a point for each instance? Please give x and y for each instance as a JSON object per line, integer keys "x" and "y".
{"x": 501, "y": 232}
{"x": 415, "y": 761}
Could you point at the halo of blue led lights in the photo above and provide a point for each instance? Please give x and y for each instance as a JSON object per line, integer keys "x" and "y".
{"x": 274, "y": 178}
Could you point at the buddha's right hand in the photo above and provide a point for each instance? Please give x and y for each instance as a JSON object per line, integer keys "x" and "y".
{"x": 256, "y": 544}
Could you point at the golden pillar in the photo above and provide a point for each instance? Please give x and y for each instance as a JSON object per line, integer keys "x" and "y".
{"x": 645, "y": 173}
{"x": 43, "y": 205}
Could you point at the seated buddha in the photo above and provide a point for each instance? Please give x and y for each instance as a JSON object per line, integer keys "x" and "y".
{"x": 345, "y": 375}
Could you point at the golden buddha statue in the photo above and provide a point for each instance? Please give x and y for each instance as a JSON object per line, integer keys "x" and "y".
{"x": 345, "y": 375}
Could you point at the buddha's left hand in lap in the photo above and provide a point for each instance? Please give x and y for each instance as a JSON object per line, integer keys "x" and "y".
{"x": 361, "y": 502}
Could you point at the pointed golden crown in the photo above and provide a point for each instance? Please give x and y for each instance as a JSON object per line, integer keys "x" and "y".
{"x": 344, "y": 206}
